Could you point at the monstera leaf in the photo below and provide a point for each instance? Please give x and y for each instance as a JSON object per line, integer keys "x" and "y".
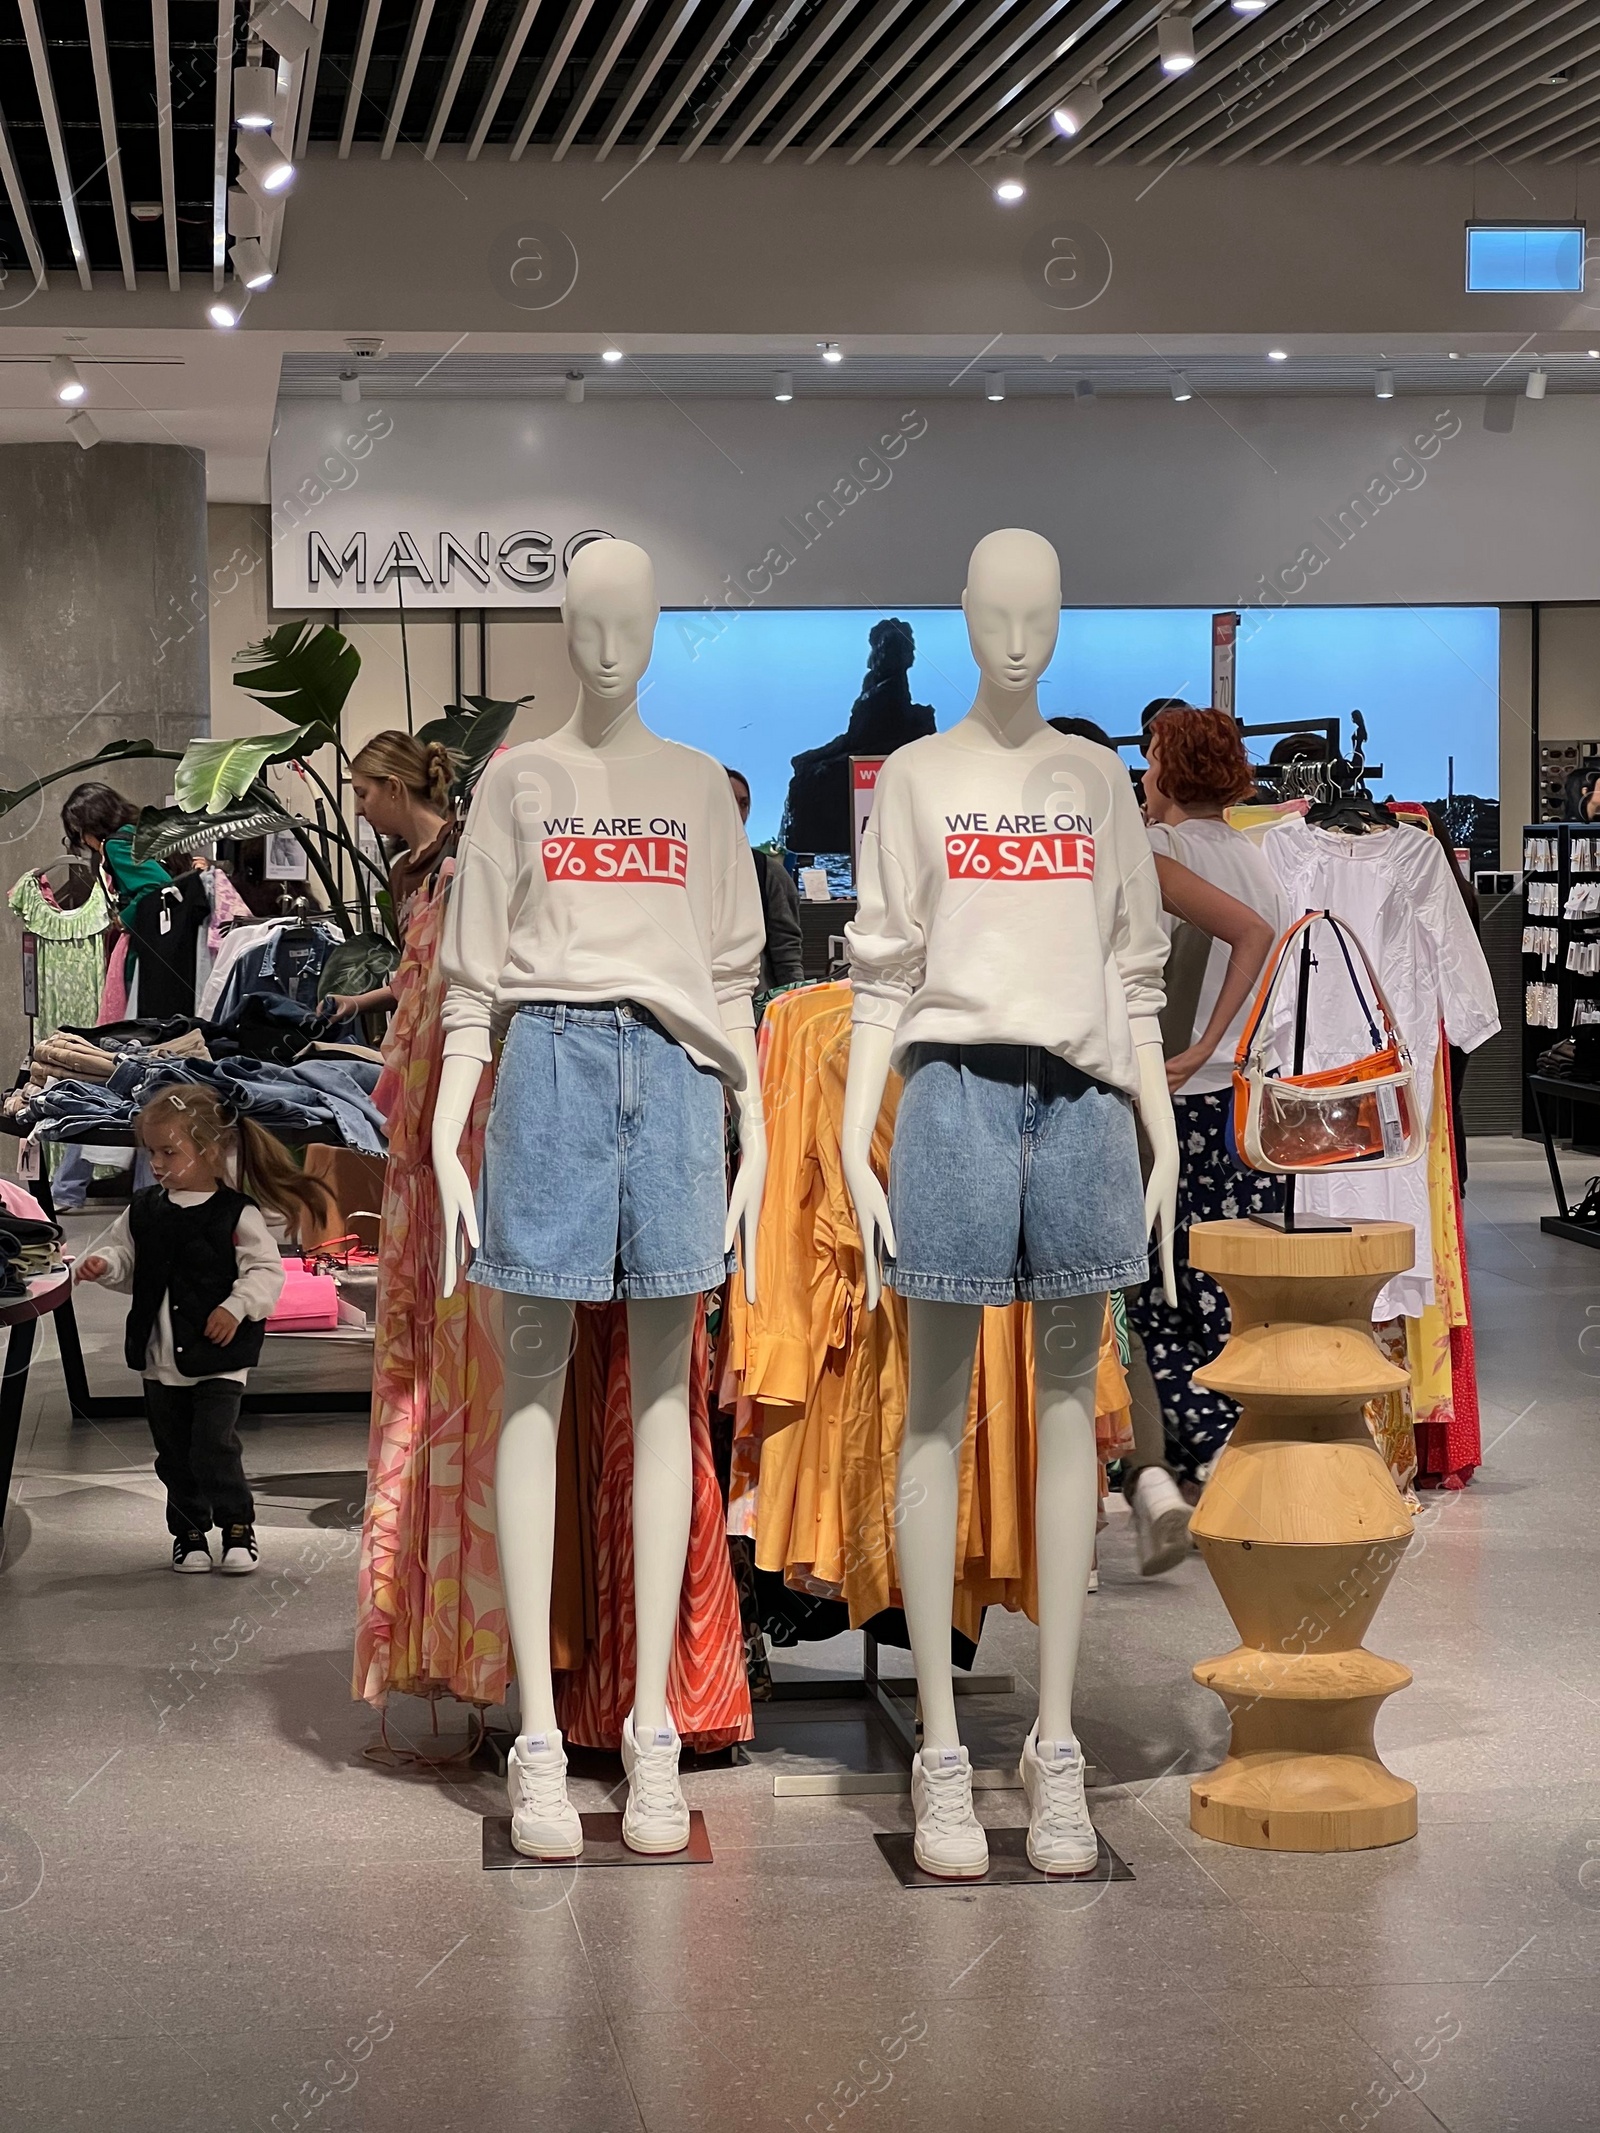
{"x": 360, "y": 964}
{"x": 113, "y": 752}
{"x": 303, "y": 672}
{"x": 472, "y": 731}
{"x": 163, "y": 832}
{"x": 213, "y": 774}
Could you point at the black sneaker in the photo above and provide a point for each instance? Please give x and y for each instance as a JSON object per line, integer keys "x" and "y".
{"x": 239, "y": 1556}
{"x": 189, "y": 1552}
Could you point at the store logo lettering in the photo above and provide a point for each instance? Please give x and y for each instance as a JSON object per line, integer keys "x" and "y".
{"x": 526, "y": 559}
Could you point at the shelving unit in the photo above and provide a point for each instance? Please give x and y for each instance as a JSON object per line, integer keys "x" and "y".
{"x": 1574, "y": 847}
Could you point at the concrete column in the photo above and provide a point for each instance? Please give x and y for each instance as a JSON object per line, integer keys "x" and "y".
{"x": 103, "y": 637}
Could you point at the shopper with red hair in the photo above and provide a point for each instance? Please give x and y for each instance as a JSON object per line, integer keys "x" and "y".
{"x": 1197, "y": 769}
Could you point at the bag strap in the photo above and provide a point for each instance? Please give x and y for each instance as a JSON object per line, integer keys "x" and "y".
{"x": 1269, "y": 984}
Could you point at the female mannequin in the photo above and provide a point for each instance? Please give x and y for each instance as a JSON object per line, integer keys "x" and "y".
{"x": 1007, "y": 954}
{"x": 606, "y": 894}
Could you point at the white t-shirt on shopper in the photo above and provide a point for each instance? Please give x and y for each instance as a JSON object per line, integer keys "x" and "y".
{"x": 589, "y": 877}
{"x": 1229, "y": 861}
{"x": 1008, "y": 896}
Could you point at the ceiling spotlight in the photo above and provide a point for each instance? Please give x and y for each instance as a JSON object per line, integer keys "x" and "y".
{"x": 1010, "y": 179}
{"x": 1084, "y": 390}
{"x": 1181, "y": 388}
{"x": 265, "y": 162}
{"x": 1455, "y": 355}
{"x": 994, "y": 385}
{"x": 65, "y": 382}
{"x": 1175, "y": 42}
{"x": 1537, "y": 381}
{"x": 611, "y": 355}
{"x": 830, "y": 351}
{"x": 1277, "y": 355}
{"x": 145, "y": 210}
{"x": 574, "y": 388}
{"x": 1383, "y": 385}
{"x": 1248, "y": 7}
{"x": 224, "y": 314}
{"x": 349, "y": 387}
{"x": 251, "y": 263}
{"x": 81, "y": 429}
{"x": 1594, "y": 352}
{"x": 783, "y": 386}
{"x": 244, "y": 213}
{"x": 1084, "y": 104}
{"x": 1557, "y": 80}
{"x": 282, "y": 26}
{"x": 255, "y": 95}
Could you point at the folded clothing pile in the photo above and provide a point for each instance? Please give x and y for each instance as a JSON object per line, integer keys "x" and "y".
{"x": 313, "y": 1095}
{"x": 27, "y": 1248}
{"x": 80, "y": 1056}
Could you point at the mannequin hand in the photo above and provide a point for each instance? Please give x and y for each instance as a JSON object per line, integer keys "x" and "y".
{"x": 870, "y": 1046}
{"x": 872, "y": 1214}
{"x": 744, "y": 1202}
{"x": 458, "y": 1083}
{"x": 1161, "y": 1131}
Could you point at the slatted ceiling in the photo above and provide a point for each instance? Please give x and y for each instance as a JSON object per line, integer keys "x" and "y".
{"x": 1524, "y": 120}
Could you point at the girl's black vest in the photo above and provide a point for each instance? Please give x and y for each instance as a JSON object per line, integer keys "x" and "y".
{"x": 186, "y": 1254}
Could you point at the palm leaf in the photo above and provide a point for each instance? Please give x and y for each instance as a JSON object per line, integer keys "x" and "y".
{"x": 302, "y": 671}
{"x": 162, "y": 832}
{"x": 472, "y": 731}
{"x": 113, "y": 752}
{"x": 215, "y": 773}
{"x": 360, "y": 964}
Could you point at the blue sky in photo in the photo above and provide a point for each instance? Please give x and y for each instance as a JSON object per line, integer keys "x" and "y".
{"x": 782, "y": 680}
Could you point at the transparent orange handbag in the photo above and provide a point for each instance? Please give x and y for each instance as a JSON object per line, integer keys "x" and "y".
{"x": 1365, "y": 1114}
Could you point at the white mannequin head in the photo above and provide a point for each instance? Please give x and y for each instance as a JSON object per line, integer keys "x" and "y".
{"x": 1013, "y": 607}
{"x": 610, "y": 612}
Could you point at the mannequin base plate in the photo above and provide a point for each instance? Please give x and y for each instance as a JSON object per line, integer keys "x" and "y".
{"x": 1009, "y": 1864}
{"x": 602, "y": 1846}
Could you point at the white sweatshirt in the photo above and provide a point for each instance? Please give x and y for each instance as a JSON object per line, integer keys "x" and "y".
{"x": 586, "y": 877}
{"x": 1009, "y": 896}
{"x": 254, "y": 1294}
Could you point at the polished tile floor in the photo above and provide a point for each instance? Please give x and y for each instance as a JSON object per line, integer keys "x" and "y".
{"x": 218, "y": 1910}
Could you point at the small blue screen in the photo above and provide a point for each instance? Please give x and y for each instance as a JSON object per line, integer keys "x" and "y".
{"x": 1526, "y": 259}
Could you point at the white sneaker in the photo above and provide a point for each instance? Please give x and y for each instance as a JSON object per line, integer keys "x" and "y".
{"x": 544, "y": 1822}
{"x": 950, "y": 1839}
{"x": 1161, "y": 1521}
{"x": 1061, "y": 1838}
{"x": 656, "y": 1818}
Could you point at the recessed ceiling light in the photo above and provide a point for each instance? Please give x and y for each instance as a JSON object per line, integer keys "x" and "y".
{"x": 1455, "y": 355}
{"x": 994, "y": 385}
{"x": 1277, "y": 355}
{"x": 1175, "y": 43}
{"x": 145, "y": 210}
{"x": 1594, "y": 352}
{"x": 266, "y": 163}
{"x": 224, "y": 314}
{"x": 1181, "y": 388}
{"x": 1248, "y": 7}
{"x": 1383, "y": 385}
{"x": 251, "y": 263}
{"x": 65, "y": 381}
{"x": 1081, "y": 107}
{"x": 611, "y": 355}
{"x": 1557, "y": 80}
{"x": 1010, "y": 181}
{"x": 830, "y": 351}
{"x": 783, "y": 386}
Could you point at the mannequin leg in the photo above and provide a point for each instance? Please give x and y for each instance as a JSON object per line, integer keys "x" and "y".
{"x": 1066, "y": 1359}
{"x": 660, "y": 1340}
{"x": 536, "y": 1344}
{"x": 943, "y": 1342}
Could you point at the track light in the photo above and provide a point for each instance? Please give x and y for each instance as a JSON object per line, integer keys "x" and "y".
{"x": 1383, "y": 385}
{"x": 611, "y": 355}
{"x": 1084, "y": 391}
{"x": 265, "y": 162}
{"x": 1010, "y": 181}
{"x": 574, "y": 388}
{"x": 81, "y": 429}
{"x": 1181, "y": 388}
{"x": 1175, "y": 43}
{"x": 251, "y": 263}
{"x": 1537, "y": 381}
{"x": 994, "y": 385}
{"x": 783, "y": 386}
{"x": 1081, "y": 107}
{"x": 255, "y": 96}
{"x": 349, "y": 387}
{"x": 830, "y": 351}
{"x": 1277, "y": 355}
{"x": 65, "y": 382}
{"x": 225, "y": 313}
{"x": 282, "y": 26}
{"x": 244, "y": 213}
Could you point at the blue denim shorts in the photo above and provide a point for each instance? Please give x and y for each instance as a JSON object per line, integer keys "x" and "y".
{"x": 1012, "y": 1178}
{"x": 603, "y": 1167}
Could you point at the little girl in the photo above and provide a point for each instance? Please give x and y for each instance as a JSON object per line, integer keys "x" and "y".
{"x": 205, "y": 1274}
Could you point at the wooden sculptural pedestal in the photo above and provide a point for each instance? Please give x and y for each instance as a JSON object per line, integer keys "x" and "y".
{"x": 1302, "y": 1527}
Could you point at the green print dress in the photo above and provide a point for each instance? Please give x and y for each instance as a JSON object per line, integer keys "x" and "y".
{"x": 71, "y": 958}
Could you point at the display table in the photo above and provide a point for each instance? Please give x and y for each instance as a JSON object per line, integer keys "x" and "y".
{"x": 1548, "y": 1087}
{"x": 20, "y": 1315}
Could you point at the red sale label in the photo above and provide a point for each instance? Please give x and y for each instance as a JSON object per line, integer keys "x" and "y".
{"x": 622, "y": 859}
{"x": 975, "y": 857}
